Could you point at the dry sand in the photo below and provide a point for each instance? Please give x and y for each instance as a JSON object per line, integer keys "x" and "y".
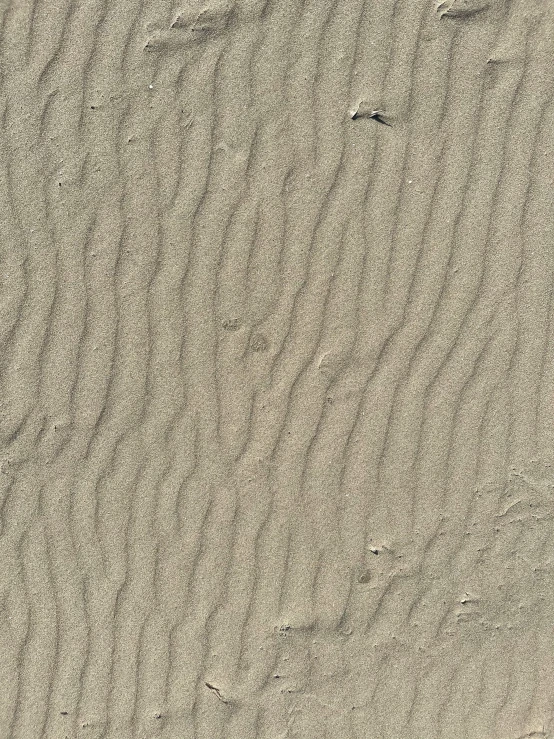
{"x": 277, "y": 401}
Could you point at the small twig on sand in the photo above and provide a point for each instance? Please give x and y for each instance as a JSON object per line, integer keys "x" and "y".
{"x": 217, "y": 691}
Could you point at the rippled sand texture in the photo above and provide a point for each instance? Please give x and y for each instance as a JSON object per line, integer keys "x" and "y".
{"x": 277, "y": 401}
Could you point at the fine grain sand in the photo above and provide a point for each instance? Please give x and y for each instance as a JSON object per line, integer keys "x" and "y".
{"x": 277, "y": 400}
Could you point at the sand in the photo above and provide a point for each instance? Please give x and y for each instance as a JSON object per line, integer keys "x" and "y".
{"x": 277, "y": 400}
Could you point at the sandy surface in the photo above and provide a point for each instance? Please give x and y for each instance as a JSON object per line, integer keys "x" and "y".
{"x": 277, "y": 401}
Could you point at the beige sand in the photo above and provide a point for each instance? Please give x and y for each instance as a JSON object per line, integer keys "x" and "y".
{"x": 277, "y": 371}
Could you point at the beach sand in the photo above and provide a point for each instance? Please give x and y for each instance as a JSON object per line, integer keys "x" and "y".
{"x": 277, "y": 400}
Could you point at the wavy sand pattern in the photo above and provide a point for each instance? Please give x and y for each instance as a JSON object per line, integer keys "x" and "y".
{"x": 277, "y": 401}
